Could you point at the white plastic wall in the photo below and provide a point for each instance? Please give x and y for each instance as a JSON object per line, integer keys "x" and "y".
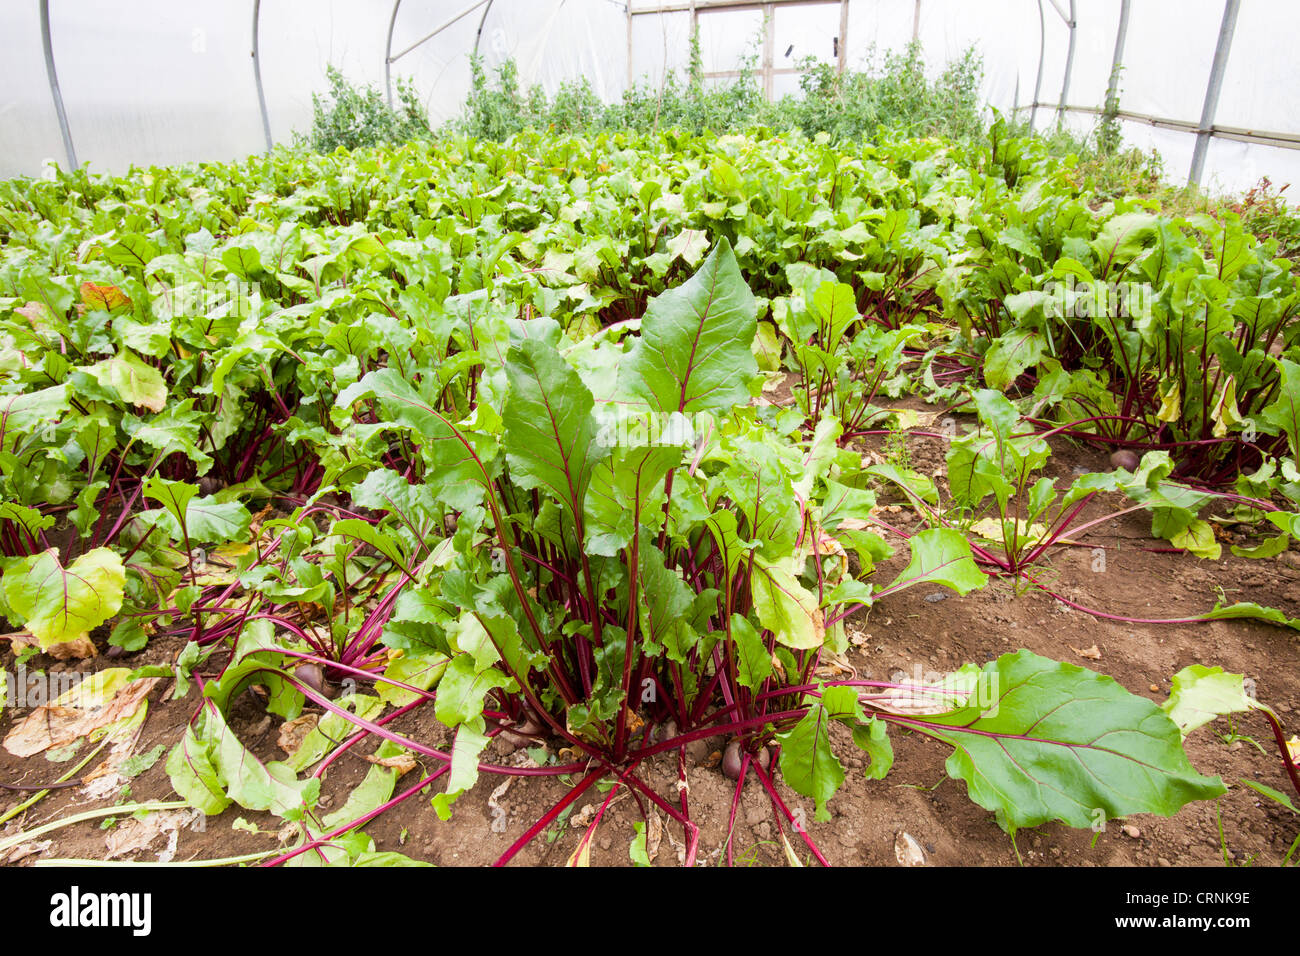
{"x": 165, "y": 81}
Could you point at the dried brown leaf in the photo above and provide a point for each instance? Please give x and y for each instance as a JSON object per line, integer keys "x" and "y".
{"x": 292, "y": 732}
{"x": 56, "y": 725}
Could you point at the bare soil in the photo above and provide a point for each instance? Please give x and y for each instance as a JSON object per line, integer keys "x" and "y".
{"x": 933, "y": 629}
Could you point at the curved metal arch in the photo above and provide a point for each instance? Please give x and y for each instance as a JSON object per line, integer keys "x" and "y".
{"x": 478, "y": 34}
{"x": 1072, "y": 23}
{"x": 1205, "y": 130}
{"x": 257, "y": 76}
{"x": 1042, "y": 52}
{"x": 390, "y": 59}
{"x": 1117, "y": 61}
{"x": 52, "y": 75}
{"x": 388, "y": 53}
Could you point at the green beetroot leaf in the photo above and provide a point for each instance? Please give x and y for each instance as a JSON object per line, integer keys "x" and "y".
{"x": 200, "y": 520}
{"x": 753, "y": 662}
{"x": 873, "y": 737}
{"x": 694, "y": 354}
{"x": 174, "y": 496}
{"x": 1268, "y": 548}
{"x": 207, "y": 521}
{"x": 257, "y": 660}
{"x": 29, "y": 519}
{"x": 453, "y": 474}
{"x": 134, "y": 380}
{"x": 1041, "y": 740}
{"x": 835, "y": 309}
{"x": 732, "y": 549}
{"x": 626, "y": 491}
{"x": 787, "y": 608}
{"x": 1251, "y": 610}
{"x": 370, "y": 793}
{"x": 664, "y": 604}
{"x": 1200, "y": 693}
{"x": 807, "y": 762}
{"x": 59, "y": 604}
{"x": 940, "y": 556}
{"x": 1284, "y": 413}
{"x": 1011, "y": 355}
{"x": 549, "y": 429}
{"x": 193, "y": 771}
{"x": 471, "y": 741}
{"x": 385, "y": 490}
{"x": 31, "y": 410}
{"x": 211, "y": 768}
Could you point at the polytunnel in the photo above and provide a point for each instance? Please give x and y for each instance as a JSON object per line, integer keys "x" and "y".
{"x": 151, "y": 82}
{"x": 630, "y": 433}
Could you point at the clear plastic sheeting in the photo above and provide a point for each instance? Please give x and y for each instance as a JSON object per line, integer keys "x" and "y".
{"x": 29, "y": 128}
{"x": 166, "y": 81}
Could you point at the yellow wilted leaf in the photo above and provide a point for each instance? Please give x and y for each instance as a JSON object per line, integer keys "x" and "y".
{"x": 907, "y": 417}
{"x": 790, "y": 856}
{"x": 582, "y": 855}
{"x": 1225, "y": 412}
{"x": 207, "y": 575}
{"x": 105, "y": 297}
{"x": 1171, "y": 405}
{"x": 634, "y": 721}
{"x": 991, "y": 528}
{"x": 229, "y": 553}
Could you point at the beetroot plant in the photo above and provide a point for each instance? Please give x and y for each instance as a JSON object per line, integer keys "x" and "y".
{"x": 625, "y": 555}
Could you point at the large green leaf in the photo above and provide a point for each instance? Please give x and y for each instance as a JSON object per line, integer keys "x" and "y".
{"x": 939, "y": 556}
{"x": 384, "y": 489}
{"x": 1011, "y": 355}
{"x": 626, "y": 492}
{"x": 211, "y": 763}
{"x": 205, "y": 520}
{"x": 133, "y": 379}
{"x": 1041, "y": 740}
{"x": 364, "y": 531}
{"x": 834, "y": 305}
{"x": 787, "y": 608}
{"x": 1284, "y": 412}
{"x": 549, "y": 429}
{"x": 731, "y": 548}
{"x": 174, "y": 496}
{"x": 807, "y": 763}
{"x": 462, "y": 690}
{"x": 28, "y": 410}
{"x": 664, "y": 603}
{"x": 59, "y": 604}
{"x": 753, "y": 662}
{"x": 694, "y": 353}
